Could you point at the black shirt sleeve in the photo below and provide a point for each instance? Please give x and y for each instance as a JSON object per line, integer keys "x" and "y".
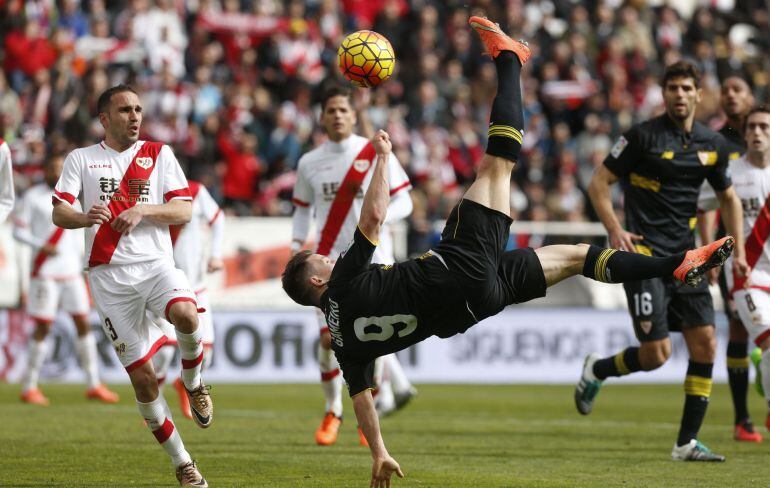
{"x": 359, "y": 375}
{"x": 355, "y": 259}
{"x": 625, "y": 154}
{"x": 719, "y": 178}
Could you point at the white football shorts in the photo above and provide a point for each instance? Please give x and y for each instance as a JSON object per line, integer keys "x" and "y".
{"x": 47, "y": 295}
{"x": 124, "y": 292}
{"x": 753, "y": 307}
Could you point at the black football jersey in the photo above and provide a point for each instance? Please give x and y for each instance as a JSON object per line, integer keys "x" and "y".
{"x": 374, "y": 309}
{"x": 661, "y": 169}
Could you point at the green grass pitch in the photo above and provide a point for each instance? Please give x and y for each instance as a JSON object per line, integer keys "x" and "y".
{"x": 459, "y": 435}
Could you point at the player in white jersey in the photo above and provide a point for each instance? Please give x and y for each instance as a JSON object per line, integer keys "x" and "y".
{"x": 751, "y": 294}
{"x": 133, "y": 191}
{"x": 187, "y": 241}
{"x": 56, "y": 281}
{"x": 6, "y": 181}
{"x": 331, "y": 181}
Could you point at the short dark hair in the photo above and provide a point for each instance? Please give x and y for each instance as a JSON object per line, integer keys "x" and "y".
{"x": 758, "y": 109}
{"x": 681, "y": 69}
{"x": 103, "y": 104}
{"x": 295, "y": 278}
{"x": 335, "y": 91}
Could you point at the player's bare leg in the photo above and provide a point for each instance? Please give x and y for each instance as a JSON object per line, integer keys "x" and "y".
{"x": 36, "y": 353}
{"x": 184, "y": 316}
{"x": 86, "y": 350}
{"x": 331, "y": 383}
{"x": 154, "y": 409}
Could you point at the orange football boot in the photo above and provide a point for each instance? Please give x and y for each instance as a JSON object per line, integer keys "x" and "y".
{"x": 184, "y": 402}
{"x": 744, "y": 432}
{"x": 698, "y": 261}
{"x": 103, "y": 394}
{"x": 35, "y": 397}
{"x": 495, "y": 40}
{"x": 326, "y": 435}
{"x": 362, "y": 438}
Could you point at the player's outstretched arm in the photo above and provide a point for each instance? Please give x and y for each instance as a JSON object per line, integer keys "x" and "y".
{"x": 377, "y": 197}
{"x": 732, "y": 214}
{"x": 383, "y": 466}
{"x": 67, "y": 217}
{"x": 599, "y": 192}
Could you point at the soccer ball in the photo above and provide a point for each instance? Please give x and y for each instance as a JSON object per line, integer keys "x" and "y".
{"x": 366, "y": 58}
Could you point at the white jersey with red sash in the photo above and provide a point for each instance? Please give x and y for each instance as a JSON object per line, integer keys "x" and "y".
{"x": 32, "y": 222}
{"x": 752, "y": 185}
{"x": 145, "y": 173}
{"x": 332, "y": 179}
{"x": 187, "y": 239}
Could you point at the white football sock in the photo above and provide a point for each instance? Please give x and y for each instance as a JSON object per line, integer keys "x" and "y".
{"x": 191, "y": 347}
{"x": 395, "y": 372}
{"x": 37, "y": 352}
{"x": 162, "y": 362}
{"x": 86, "y": 349}
{"x": 331, "y": 380}
{"x": 384, "y": 399}
{"x": 158, "y": 418}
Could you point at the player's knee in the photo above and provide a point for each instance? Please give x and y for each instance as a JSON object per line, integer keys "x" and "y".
{"x": 326, "y": 340}
{"x": 184, "y": 316}
{"x": 703, "y": 347}
{"x": 738, "y": 332}
{"x": 42, "y": 329}
{"x": 653, "y": 355}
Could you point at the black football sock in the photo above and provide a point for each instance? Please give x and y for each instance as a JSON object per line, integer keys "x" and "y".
{"x": 623, "y": 363}
{"x": 738, "y": 377}
{"x": 697, "y": 389}
{"x": 613, "y": 266}
{"x": 506, "y": 121}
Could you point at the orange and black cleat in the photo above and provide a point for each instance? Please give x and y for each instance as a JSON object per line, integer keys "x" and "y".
{"x": 496, "y": 41}
{"x": 184, "y": 402}
{"x": 745, "y": 432}
{"x": 698, "y": 261}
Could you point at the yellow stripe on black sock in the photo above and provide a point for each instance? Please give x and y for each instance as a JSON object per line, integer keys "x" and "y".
{"x": 600, "y": 268}
{"x": 505, "y": 131}
{"x": 697, "y": 386}
{"x": 738, "y": 363}
{"x": 620, "y": 364}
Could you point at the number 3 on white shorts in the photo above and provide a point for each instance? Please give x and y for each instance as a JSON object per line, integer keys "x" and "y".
{"x": 385, "y": 325}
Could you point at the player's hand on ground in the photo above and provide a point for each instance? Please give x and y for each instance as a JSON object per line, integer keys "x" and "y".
{"x": 215, "y": 264}
{"x": 49, "y": 249}
{"x": 382, "y": 469}
{"x": 98, "y": 214}
{"x": 381, "y": 143}
{"x": 624, "y": 240}
{"x": 128, "y": 219}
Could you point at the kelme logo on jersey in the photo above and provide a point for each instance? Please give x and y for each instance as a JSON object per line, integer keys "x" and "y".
{"x": 361, "y": 165}
{"x": 144, "y": 163}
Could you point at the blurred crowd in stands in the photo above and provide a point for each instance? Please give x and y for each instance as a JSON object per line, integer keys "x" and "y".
{"x": 233, "y": 85}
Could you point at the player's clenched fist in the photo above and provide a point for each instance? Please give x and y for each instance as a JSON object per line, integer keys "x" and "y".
{"x": 98, "y": 214}
{"x": 381, "y": 143}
